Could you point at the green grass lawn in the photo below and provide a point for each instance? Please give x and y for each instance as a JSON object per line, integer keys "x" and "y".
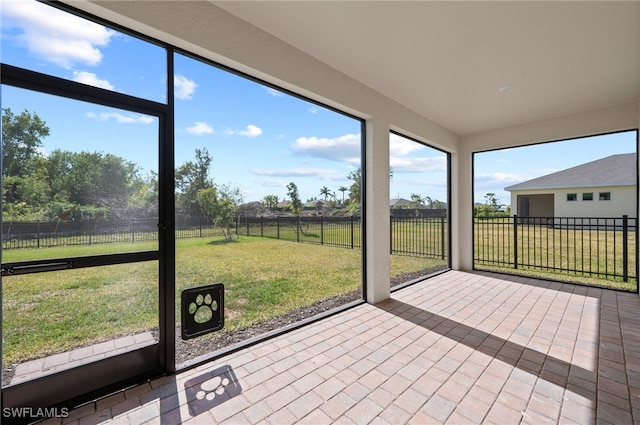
{"x": 568, "y": 277}
{"x": 47, "y": 313}
{"x": 589, "y": 257}
{"x": 264, "y": 277}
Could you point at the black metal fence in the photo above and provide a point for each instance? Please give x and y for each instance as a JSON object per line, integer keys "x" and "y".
{"x": 419, "y": 236}
{"x": 422, "y": 236}
{"x": 333, "y": 231}
{"x": 603, "y": 248}
{"x": 16, "y": 235}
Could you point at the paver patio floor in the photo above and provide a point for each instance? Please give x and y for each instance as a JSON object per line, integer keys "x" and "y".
{"x": 80, "y": 356}
{"x": 459, "y": 348}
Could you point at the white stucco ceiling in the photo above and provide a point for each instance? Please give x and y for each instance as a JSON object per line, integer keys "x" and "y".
{"x": 449, "y": 60}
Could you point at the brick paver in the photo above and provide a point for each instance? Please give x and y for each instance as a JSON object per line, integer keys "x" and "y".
{"x": 457, "y": 348}
{"x": 57, "y": 362}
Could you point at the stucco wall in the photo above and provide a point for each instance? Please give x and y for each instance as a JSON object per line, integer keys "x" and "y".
{"x": 540, "y": 205}
{"x": 623, "y": 202}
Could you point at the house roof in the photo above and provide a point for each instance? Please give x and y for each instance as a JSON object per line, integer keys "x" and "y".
{"x": 399, "y": 202}
{"x": 614, "y": 170}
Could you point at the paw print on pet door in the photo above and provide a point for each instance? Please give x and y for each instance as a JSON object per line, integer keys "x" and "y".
{"x": 202, "y": 310}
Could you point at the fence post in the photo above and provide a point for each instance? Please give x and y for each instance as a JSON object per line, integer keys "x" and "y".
{"x": 515, "y": 241}
{"x": 391, "y": 235}
{"x": 351, "y": 232}
{"x": 321, "y": 232}
{"x": 298, "y": 230}
{"x": 38, "y": 233}
{"x": 625, "y": 248}
{"x": 442, "y": 233}
{"x": 261, "y": 227}
{"x": 247, "y": 218}
{"x": 278, "y": 226}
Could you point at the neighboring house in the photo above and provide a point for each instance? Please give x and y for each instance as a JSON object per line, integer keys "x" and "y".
{"x": 602, "y": 188}
{"x": 400, "y": 203}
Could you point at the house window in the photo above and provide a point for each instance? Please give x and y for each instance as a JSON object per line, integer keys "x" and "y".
{"x": 587, "y": 196}
{"x": 604, "y": 196}
{"x": 572, "y": 196}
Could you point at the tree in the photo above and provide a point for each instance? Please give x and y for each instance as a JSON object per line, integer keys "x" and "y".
{"x": 21, "y": 140}
{"x": 324, "y": 191}
{"x": 93, "y": 179}
{"x": 220, "y": 204}
{"x": 270, "y": 201}
{"x": 343, "y": 189}
{"x": 296, "y": 204}
{"x": 491, "y": 200}
{"x": 355, "y": 188}
{"x": 490, "y": 208}
{"x": 333, "y": 201}
{"x": 417, "y": 200}
{"x": 66, "y": 185}
{"x": 191, "y": 177}
{"x": 144, "y": 198}
{"x": 24, "y": 198}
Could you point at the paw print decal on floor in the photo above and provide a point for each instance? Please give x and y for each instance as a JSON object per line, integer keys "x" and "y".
{"x": 210, "y": 389}
{"x": 202, "y": 310}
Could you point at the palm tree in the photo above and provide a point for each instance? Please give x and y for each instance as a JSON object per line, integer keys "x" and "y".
{"x": 428, "y": 201}
{"x": 416, "y": 200}
{"x": 296, "y": 204}
{"x": 325, "y": 192}
{"x": 343, "y": 189}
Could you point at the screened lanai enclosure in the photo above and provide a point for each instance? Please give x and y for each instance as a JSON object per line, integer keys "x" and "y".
{"x": 125, "y": 254}
{"x": 182, "y": 181}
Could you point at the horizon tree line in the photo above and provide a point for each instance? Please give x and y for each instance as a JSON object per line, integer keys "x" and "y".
{"x": 68, "y": 186}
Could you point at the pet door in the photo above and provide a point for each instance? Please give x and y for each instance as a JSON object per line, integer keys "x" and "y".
{"x": 202, "y": 310}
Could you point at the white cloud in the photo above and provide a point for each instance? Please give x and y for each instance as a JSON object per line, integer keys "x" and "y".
{"x": 399, "y": 145}
{"x": 55, "y": 36}
{"x": 273, "y": 183}
{"x": 498, "y": 181}
{"x": 313, "y": 110}
{"x": 91, "y": 79}
{"x": 321, "y": 173}
{"x": 122, "y": 119}
{"x": 274, "y": 92}
{"x": 343, "y": 148}
{"x": 184, "y": 88}
{"x": 251, "y": 131}
{"x": 199, "y": 128}
{"x": 413, "y": 165}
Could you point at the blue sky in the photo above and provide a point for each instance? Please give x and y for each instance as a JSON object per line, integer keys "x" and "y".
{"x": 495, "y": 170}
{"x": 260, "y": 139}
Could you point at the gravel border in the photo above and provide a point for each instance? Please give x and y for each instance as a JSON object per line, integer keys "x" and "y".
{"x": 191, "y": 349}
